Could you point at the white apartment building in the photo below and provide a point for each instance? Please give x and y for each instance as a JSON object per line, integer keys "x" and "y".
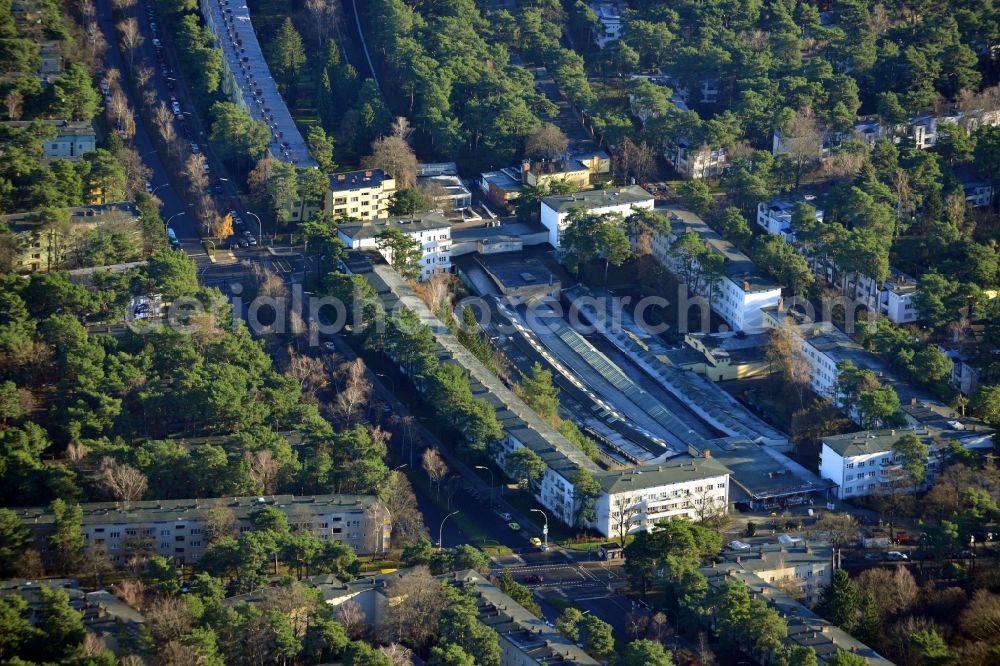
{"x": 978, "y": 192}
{"x": 894, "y": 298}
{"x": 175, "y": 528}
{"x": 775, "y": 216}
{"x": 634, "y": 500}
{"x": 360, "y": 195}
{"x": 696, "y": 162}
{"x": 609, "y": 14}
{"x": 555, "y": 209}
{"x": 432, "y": 232}
{"x": 742, "y": 294}
{"x": 862, "y": 463}
{"x": 73, "y": 138}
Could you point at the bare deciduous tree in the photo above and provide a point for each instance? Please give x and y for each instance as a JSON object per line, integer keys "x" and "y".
{"x": 263, "y": 469}
{"x": 435, "y": 466}
{"x": 131, "y": 38}
{"x": 634, "y": 161}
{"x": 393, "y": 155}
{"x": 163, "y": 118}
{"x": 143, "y": 75}
{"x": 407, "y": 521}
{"x": 322, "y": 18}
{"x": 14, "y": 101}
{"x": 803, "y": 142}
{"x": 355, "y": 389}
{"x": 168, "y": 618}
{"x": 308, "y": 371}
{"x": 415, "y": 601}
{"x": 352, "y": 617}
{"x": 123, "y": 481}
{"x": 194, "y": 171}
{"x": 894, "y": 591}
{"x": 397, "y": 654}
{"x": 546, "y": 142}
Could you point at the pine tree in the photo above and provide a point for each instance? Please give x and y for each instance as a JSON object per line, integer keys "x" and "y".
{"x": 839, "y": 602}
{"x": 540, "y": 393}
{"x": 869, "y": 625}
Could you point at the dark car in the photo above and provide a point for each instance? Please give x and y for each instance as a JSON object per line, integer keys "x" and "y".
{"x": 534, "y": 579}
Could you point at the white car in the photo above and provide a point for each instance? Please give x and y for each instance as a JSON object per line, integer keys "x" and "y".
{"x": 156, "y": 43}
{"x": 738, "y": 545}
{"x": 149, "y": 187}
{"x": 195, "y": 148}
{"x": 177, "y": 108}
{"x": 506, "y": 516}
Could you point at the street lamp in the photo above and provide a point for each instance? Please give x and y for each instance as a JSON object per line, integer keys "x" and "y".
{"x": 545, "y": 530}
{"x": 260, "y": 227}
{"x": 491, "y": 481}
{"x": 441, "y": 529}
{"x": 167, "y": 224}
{"x": 153, "y": 191}
{"x": 396, "y": 469}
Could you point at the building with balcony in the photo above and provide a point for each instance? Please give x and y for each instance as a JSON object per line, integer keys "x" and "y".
{"x": 741, "y": 294}
{"x": 556, "y": 208}
{"x": 696, "y": 161}
{"x": 360, "y": 195}
{"x": 442, "y": 183}
{"x": 800, "y": 570}
{"x": 546, "y": 172}
{"x": 609, "y": 17}
{"x": 775, "y": 216}
{"x": 978, "y": 192}
{"x": 431, "y": 232}
{"x": 175, "y": 529}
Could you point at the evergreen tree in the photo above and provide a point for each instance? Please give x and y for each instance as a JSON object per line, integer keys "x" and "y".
{"x": 839, "y": 601}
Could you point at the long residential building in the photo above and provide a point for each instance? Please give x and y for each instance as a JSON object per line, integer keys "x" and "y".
{"x": 73, "y": 138}
{"x": 556, "y": 208}
{"x": 431, "y": 232}
{"x": 743, "y": 291}
{"x": 863, "y": 463}
{"x": 640, "y": 496}
{"x": 895, "y": 297}
{"x": 176, "y": 528}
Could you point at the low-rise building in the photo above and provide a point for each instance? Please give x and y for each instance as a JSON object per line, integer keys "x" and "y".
{"x": 556, "y": 208}
{"x": 43, "y": 244}
{"x": 775, "y": 216}
{"x": 805, "y": 627}
{"x": 695, "y": 161}
{"x": 726, "y": 356}
{"x": 432, "y": 232}
{"x": 609, "y": 16}
{"x": 742, "y": 292}
{"x": 72, "y": 140}
{"x": 979, "y": 192}
{"x": 801, "y": 571}
{"x": 176, "y": 528}
{"x": 360, "y": 195}
{"x": 548, "y": 172}
{"x": 501, "y": 187}
{"x": 442, "y": 183}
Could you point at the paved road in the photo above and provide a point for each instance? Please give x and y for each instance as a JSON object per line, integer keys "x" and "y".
{"x": 172, "y": 203}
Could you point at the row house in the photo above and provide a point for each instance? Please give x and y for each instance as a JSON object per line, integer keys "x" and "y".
{"x": 431, "y": 232}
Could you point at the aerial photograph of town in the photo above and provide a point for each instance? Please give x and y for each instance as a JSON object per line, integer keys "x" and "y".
{"x": 499, "y": 332}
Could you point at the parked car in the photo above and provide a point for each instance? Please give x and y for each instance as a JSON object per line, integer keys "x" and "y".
{"x": 176, "y": 107}
{"x": 896, "y": 556}
{"x": 534, "y": 579}
{"x": 738, "y": 545}
{"x": 514, "y": 526}
{"x": 156, "y": 43}
{"x": 535, "y": 541}
{"x": 149, "y": 187}
{"x": 195, "y": 148}
{"x": 152, "y": 26}
{"x": 505, "y": 516}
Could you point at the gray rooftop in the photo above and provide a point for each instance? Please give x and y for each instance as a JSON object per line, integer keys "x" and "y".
{"x": 230, "y": 20}
{"x": 590, "y": 199}
{"x": 62, "y": 127}
{"x": 662, "y": 474}
{"x": 517, "y": 270}
{"x": 935, "y": 433}
{"x": 759, "y": 472}
{"x": 356, "y": 180}
{"x": 739, "y": 267}
{"x": 503, "y": 180}
{"x": 805, "y": 627}
{"x": 768, "y": 557}
{"x": 115, "y": 513}
{"x": 407, "y": 224}
{"x": 77, "y": 215}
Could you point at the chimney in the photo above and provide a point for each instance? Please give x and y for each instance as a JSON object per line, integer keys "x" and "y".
{"x": 913, "y": 401}
{"x": 746, "y": 286}
{"x": 368, "y": 174}
{"x": 341, "y": 177}
{"x": 781, "y": 304}
{"x": 706, "y": 453}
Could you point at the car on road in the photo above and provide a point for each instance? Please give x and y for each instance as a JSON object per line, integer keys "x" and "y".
{"x": 896, "y": 556}
{"x": 176, "y": 107}
{"x": 738, "y": 545}
{"x": 505, "y": 516}
{"x": 535, "y": 541}
{"x": 534, "y": 579}
{"x": 156, "y": 43}
{"x": 152, "y": 26}
{"x": 514, "y": 526}
{"x": 195, "y": 148}
{"x": 329, "y": 346}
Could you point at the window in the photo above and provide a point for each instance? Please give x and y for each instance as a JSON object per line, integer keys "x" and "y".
{"x": 164, "y": 532}
{"x": 131, "y": 532}
{"x": 195, "y": 530}
{"x": 115, "y": 535}
{"x": 196, "y": 544}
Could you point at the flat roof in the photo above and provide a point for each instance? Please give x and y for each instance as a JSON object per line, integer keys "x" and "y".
{"x": 152, "y": 511}
{"x": 660, "y": 474}
{"x": 355, "y": 180}
{"x": 771, "y": 556}
{"x": 867, "y": 442}
{"x": 77, "y": 215}
{"x": 515, "y": 271}
{"x": 503, "y": 180}
{"x": 739, "y": 267}
{"x": 230, "y": 19}
{"x": 407, "y": 224}
{"x": 760, "y": 472}
{"x": 62, "y": 127}
{"x": 590, "y": 199}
